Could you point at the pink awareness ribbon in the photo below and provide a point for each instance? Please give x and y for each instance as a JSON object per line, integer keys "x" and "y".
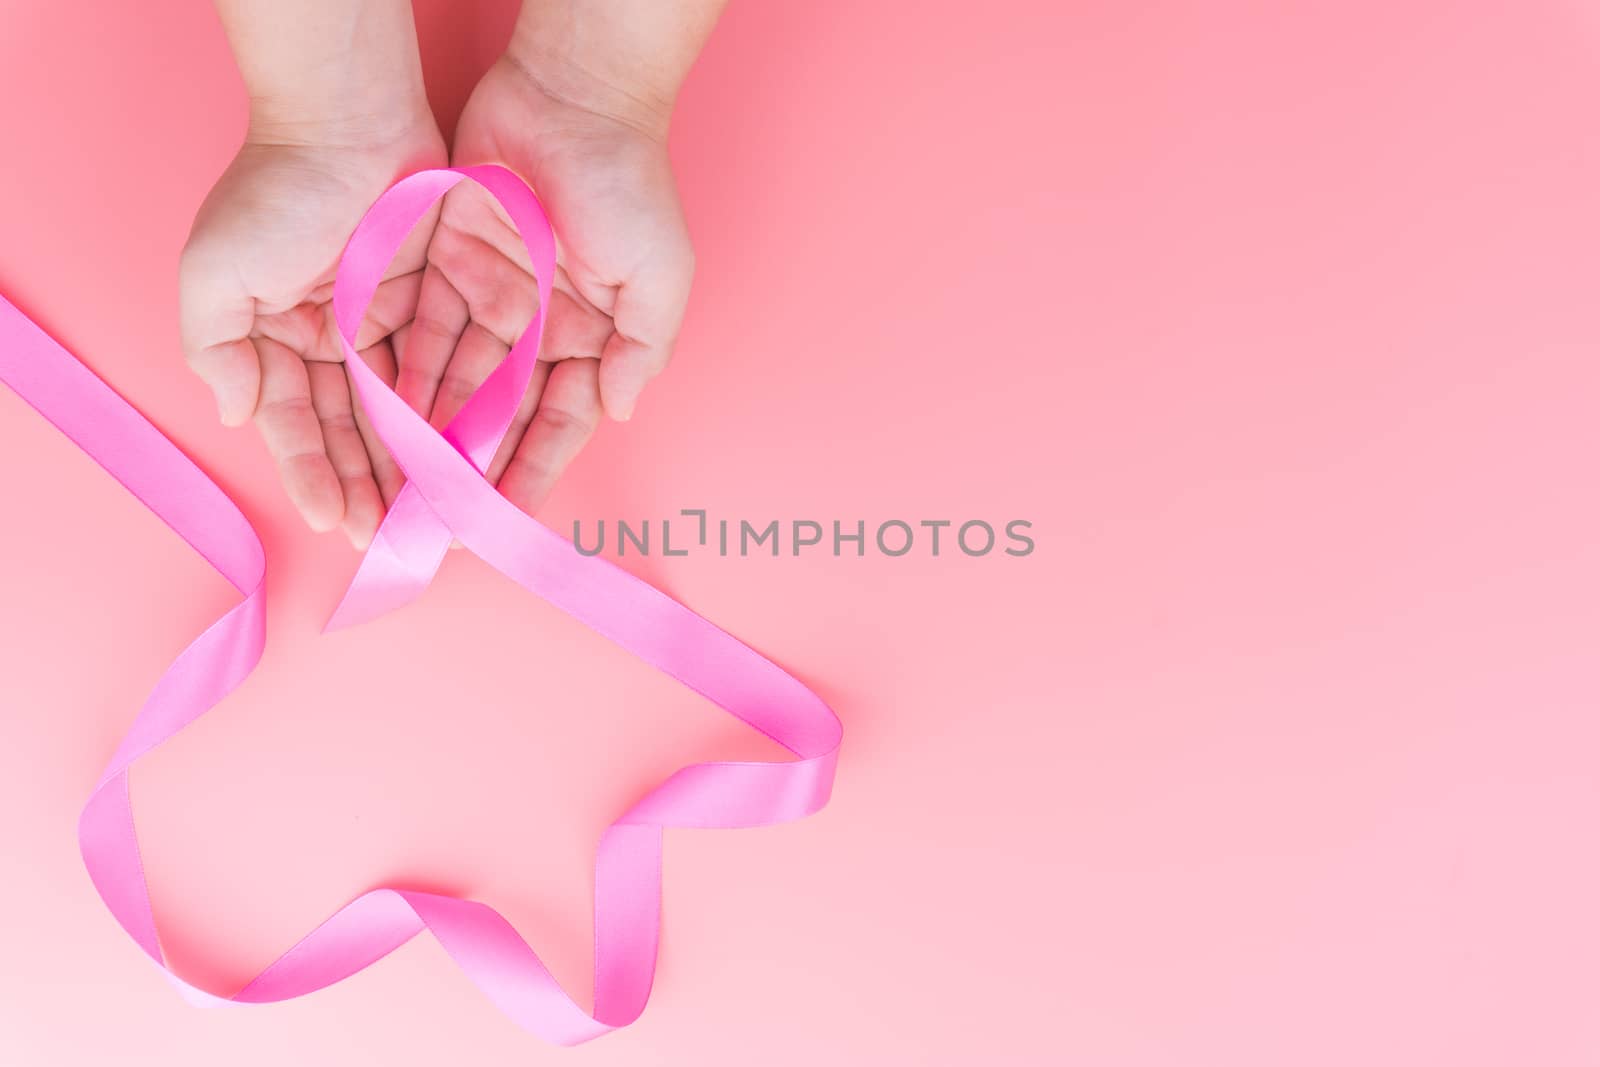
{"x": 446, "y": 496}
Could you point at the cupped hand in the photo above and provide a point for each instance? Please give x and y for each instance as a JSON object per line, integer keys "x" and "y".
{"x": 625, "y": 265}
{"x": 255, "y": 290}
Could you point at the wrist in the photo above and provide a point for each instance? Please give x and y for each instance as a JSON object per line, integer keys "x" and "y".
{"x": 344, "y": 74}
{"x": 561, "y": 60}
{"x": 347, "y": 115}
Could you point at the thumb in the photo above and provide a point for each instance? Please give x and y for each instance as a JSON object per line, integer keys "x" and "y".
{"x": 646, "y": 319}
{"x": 215, "y": 315}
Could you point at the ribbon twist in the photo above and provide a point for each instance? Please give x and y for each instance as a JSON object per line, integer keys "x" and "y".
{"x": 445, "y": 496}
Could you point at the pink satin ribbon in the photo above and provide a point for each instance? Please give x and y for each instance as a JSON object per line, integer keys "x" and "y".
{"x": 445, "y": 496}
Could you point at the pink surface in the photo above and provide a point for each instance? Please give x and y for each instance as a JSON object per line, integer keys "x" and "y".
{"x": 1278, "y": 326}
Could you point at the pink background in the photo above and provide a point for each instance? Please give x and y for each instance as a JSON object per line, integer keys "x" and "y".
{"x": 1278, "y": 324}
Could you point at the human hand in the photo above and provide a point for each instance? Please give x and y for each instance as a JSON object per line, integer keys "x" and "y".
{"x": 255, "y": 291}
{"x": 330, "y": 128}
{"x": 620, "y": 287}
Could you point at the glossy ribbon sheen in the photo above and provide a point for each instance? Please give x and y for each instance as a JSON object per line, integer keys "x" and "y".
{"x": 445, "y": 496}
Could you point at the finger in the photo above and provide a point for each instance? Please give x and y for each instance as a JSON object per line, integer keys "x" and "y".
{"x": 330, "y": 398}
{"x": 215, "y": 316}
{"x": 476, "y": 356}
{"x": 288, "y": 424}
{"x": 380, "y": 357}
{"x": 519, "y": 422}
{"x": 646, "y": 319}
{"x": 565, "y": 419}
{"x": 430, "y": 340}
{"x": 233, "y": 372}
